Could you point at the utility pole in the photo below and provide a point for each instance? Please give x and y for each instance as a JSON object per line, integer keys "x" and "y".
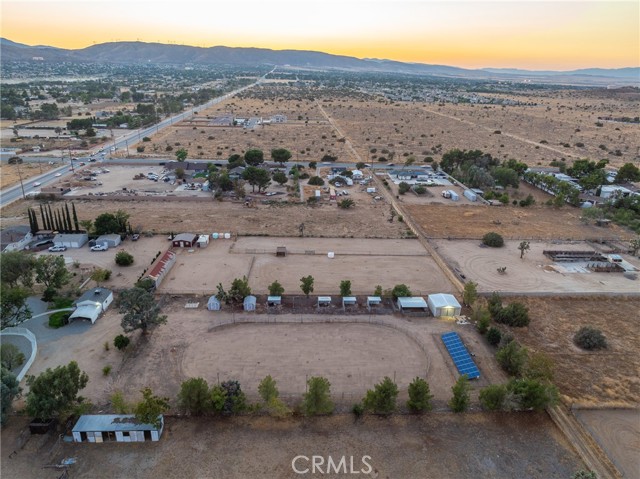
{"x": 21, "y": 185}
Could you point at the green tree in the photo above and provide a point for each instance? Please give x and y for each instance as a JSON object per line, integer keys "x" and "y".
{"x": 51, "y": 271}
{"x": 505, "y": 176}
{"x": 306, "y": 285}
{"x": 345, "y": 288}
{"x": 401, "y": 291}
{"x": 13, "y": 305}
{"x": 194, "y": 396}
{"x": 100, "y": 275}
{"x": 140, "y": 310}
{"x": 515, "y": 314}
{"x": 378, "y": 291}
{"x": 218, "y": 396}
{"x": 239, "y": 290}
{"x": 280, "y": 155}
{"x": 181, "y": 154}
{"x": 254, "y": 157}
{"x": 590, "y": 338}
{"x": 419, "y": 396}
{"x": 317, "y": 399}
{"x": 346, "y": 203}
{"x": 634, "y": 244}
{"x": 54, "y": 392}
{"x": 124, "y": 258}
{"x": 628, "y": 173}
{"x": 533, "y": 394}
{"x": 481, "y": 316}
{"x": 493, "y": 240}
{"x": 270, "y": 395}
{"x": 523, "y": 247}
{"x": 279, "y": 177}
{"x": 235, "y": 401}
{"x": 316, "y": 181}
{"x": 493, "y": 397}
{"x": 10, "y": 356}
{"x": 276, "y": 289}
{"x": 470, "y": 293}
{"x": 150, "y": 408}
{"x": 539, "y": 366}
{"x": 121, "y": 342}
{"x": 512, "y": 358}
{"x": 403, "y": 187}
{"x": 461, "y": 397}
{"x": 382, "y": 398}
{"x": 494, "y": 304}
{"x": 17, "y": 269}
{"x": 106, "y": 223}
{"x": 257, "y": 177}
{"x": 582, "y": 474}
{"x": 9, "y": 390}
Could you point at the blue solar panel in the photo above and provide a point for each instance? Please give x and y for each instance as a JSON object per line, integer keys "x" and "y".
{"x": 460, "y": 355}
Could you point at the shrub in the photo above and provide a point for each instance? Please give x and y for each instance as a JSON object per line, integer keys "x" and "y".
{"x": 382, "y": 398}
{"x": 316, "y": 181}
{"x": 140, "y": 149}
{"x": 419, "y": 396}
{"x": 493, "y": 336}
{"x": 146, "y": 138}
{"x": 512, "y": 358}
{"x": 106, "y": 370}
{"x": 57, "y": 320}
{"x": 492, "y": 398}
{"x": 121, "y": 341}
{"x": 357, "y": 410}
{"x": 493, "y": 240}
{"x": 10, "y": 356}
{"x": 401, "y": 291}
{"x": 403, "y": 187}
{"x": 124, "y": 259}
{"x": 515, "y": 314}
{"x": 590, "y": 339}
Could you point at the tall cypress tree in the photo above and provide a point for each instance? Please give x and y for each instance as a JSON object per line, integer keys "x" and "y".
{"x": 59, "y": 225}
{"x": 44, "y": 219}
{"x": 35, "y": 227}
{"x": 69, "y": 224}
{"x": 76, "y": 223}
{"x": 52, "y": 219}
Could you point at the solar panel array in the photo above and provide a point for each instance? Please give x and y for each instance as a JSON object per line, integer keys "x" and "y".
{"x": 460, "y": 355}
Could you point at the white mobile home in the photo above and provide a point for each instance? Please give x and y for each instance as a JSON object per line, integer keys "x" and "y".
{"x": 92, "y": 304}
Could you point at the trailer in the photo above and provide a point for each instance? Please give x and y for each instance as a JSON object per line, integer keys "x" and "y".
{"x": 470, "y": 195}
{"x": 332, "y": 194}
{"x": 453, "y": 195}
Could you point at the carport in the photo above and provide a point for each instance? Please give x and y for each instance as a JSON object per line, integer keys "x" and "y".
{"x": 413, "y": 304}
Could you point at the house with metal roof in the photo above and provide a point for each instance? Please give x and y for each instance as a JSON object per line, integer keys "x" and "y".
{"x": 92, "y": 304}
{"x": 98, "y": 428}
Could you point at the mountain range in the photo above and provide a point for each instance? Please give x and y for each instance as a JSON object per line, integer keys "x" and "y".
{"x": 140, "y": 52}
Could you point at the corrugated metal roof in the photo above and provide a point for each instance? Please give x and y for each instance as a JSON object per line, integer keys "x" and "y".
{"x": 442, "y": 300}
{"x": 412, "y": 302}
{"x": 111, "y": 422}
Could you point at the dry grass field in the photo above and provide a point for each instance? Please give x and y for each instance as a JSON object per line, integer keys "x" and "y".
{"x": 10, "y": 174}
{"x": 609, "y": 376}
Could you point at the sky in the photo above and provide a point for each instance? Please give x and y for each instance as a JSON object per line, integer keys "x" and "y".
{"x": 534, "y": 34}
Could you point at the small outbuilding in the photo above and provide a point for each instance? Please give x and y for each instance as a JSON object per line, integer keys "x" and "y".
{"x": 213, "y": 304}
{"x": 162, "y": 267}
{"x": 203, "y": 241}
{"x": 92, "y": 304}
{"x": 249, "y": 303}
{"x": 324, "y": 301}
{"x": 185, "y": 240}
{"x": 73, "y": 240}
{"x": 412, "y": 304}
{"x": 444, "y": 305}
{"x": 111, "y": 240}
{"x": 281, "y": 251}
{"x": 348, "y": 301}
{"x": 98, "y": 428}
{"x": 373, "y": 301}
{"x": 274, "y": 300}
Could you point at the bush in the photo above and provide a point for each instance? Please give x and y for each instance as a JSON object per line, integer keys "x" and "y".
{"x": 382, "y": 398}
{"x": 492, "y": 398}
{"x": 106, "y": 370}
{"x": 121, "y": 341}
{"x": 401, "y": 291}
{"x": 493, "y": 240}
{"x": 590, "y": 339}
{"x": 57, "y": 320}
{"x": 140, "y": 149}
{"x": 493, "y": 336}
{"x": 11, "y": 356}
{"x": 403, "y": 187}
{"x": 357, "y": 410}
{"x": 419, "y": 396}
{"x": 515, "y": 314}
{"x": 316, "y": 181}
{"x": 512, "y": 358}
{"x": 49, "y": 294}
{"x": 124, "y": 259}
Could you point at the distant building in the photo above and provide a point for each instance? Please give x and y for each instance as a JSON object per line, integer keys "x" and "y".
{"x": 99, "y": 428}
{"x": 92, "y": 304}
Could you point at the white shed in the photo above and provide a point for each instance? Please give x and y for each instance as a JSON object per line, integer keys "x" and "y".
{"x": 99, "y": 428}
{"x": 92, "y": 304}
{"x": 111, "y": 240}
{"x": 75, "y": 240}
{"x": 349, "y": 301}
{"x": 324, "y": 301}
{"x": 444, "y": 305}
{"x": 249, "y": 303}
{"x": 373, "y": 301}
{"x": 203, "y": 241}
{"x": 213, "y": 304}
{"x": 274, "y": 300}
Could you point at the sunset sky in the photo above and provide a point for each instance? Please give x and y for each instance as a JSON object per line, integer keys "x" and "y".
{"x": 560, "y": 35}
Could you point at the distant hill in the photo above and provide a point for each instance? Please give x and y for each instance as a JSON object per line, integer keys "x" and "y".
{"x": 138, "y": 52}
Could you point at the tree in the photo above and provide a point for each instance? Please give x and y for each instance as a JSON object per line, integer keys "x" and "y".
{"x": 378, "y": 291}
{"x": 533, "y": 394}
{"x": 100, "y": 275}
{"x": 124, "y": 259}
{"x": 539, "y": 366}
{"x": 194, "y": 396}
{"x": 280, "y": 178}
{"x": 461, "y": 397}
{"x": 590, "y": 338}
{"x": 257, "y": 177}
{"x": 360, "y": 165}
{"x": 316, "y": 181}
{"x": 181, "y": 154}
{"x": 306, "y": 285}
{"x": 17, "y": 269}
{"x": 419, "y": 396}
{"x": 494, "y": 304}
{"x": 481, "y": 316}
{"x": 628, "y": 173}
{"x": 235, "y": 400}
{"x": 634, "y": 244}
{"x": 280, "y": 155}
{"x": 105, "y": 224}
{"x": 493, "y": 397}
{"x": 345, "y": 288}
{"x": 10, "y": 356}
{"x": 582, "y": 474}
{"x": 51, "y": 271}
{"x": 180, "y": 174}
{"x": 55, "y": 391}
{"x": 403, "y": 187}
{"x": 470, "y": 293}
{"x": 515, "y": 314}
{"x": 121, "y": 342}
{"x": 401, "y": 291}
{"x": 382, "y": 398}
{"x": 493, "y": 240}
{"x": 276, "y": 289}
{"x": 505, "y": 176}
{"x": 9, "y": 390}
{"x": 346, "y": 203}
{"x": 149, "y": 409}
{"x": 512, "y": 358}
{"x": 317, "y": 399}
{"x": 140, "y": 310}
{"x": 523, "y": 247}
{"x": 13, "y": 305}
{"x": 270, "y": 395}
{"x": 254, "y": 157}
{"x": 239, "y": 289}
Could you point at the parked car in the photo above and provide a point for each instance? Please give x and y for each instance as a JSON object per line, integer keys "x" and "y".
{"x": 135, "y": 237}
{"x": 56, "y": 249}
{"x": 99, "y": 247}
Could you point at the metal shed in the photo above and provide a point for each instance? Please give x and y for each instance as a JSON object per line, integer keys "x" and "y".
{"x": 349, "y": 301}
{"x": 111, "y": 240}
{"x": 73, "y": 240}
{"x": 249, "y": 303}
{"x": 98, "y": 428}
{"x": 373, "y": 301}
{"x": 413, "y": 303}
{"x": 324, "y": 301}
{"x": 444, "y": 305}
{"x": 213, "y": 304}
{"x": 274, "y": 300}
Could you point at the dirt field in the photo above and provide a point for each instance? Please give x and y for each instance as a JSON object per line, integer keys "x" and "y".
{"x": 535, "y": 273}
{"x": 606, "y": 377}
{"x": 9, "y": 174}
{"x": 618, "y": 433}
{"x": 365, "y": 262}
{"x": 537, "y": 222}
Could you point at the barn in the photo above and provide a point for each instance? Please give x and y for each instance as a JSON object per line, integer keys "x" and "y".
{"x": 92, "y": 304}
{"x": 444, "y": 305}
{"x": 162, "y": 267}
{"x": 98, "y": 428}
{"x": 185, "y": 240}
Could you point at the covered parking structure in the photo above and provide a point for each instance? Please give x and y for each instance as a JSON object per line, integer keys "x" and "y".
{"x": 412, "y": 304}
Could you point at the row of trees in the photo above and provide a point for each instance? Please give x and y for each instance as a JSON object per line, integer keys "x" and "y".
{"x": 60, "y": 220}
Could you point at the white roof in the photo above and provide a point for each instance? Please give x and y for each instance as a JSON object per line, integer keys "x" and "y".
{"x": 87, "y": 311}
{"x": 374, "y": 299}
{"x": 442, "y": 300}
{"x": 412, "y": 302}
{"x": 324, "y": 299}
